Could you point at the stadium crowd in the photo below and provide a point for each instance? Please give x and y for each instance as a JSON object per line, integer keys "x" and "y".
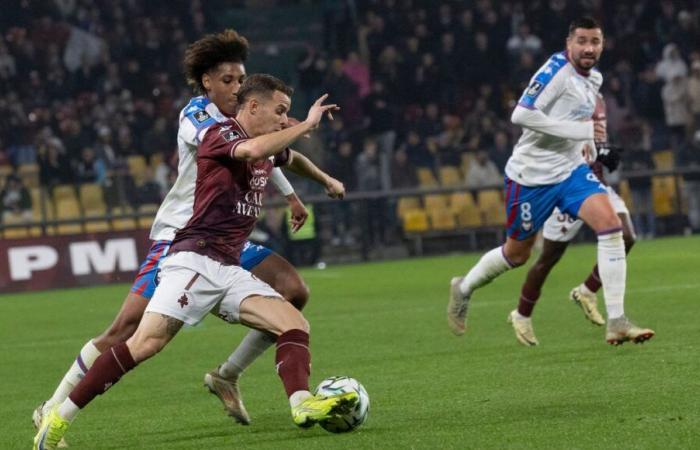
{"x": 87, "y": 84}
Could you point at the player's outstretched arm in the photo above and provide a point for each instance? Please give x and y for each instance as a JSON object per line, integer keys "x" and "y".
{"x": 296, "y": 206}
{"x": 301, "y": 165}
{"x": 536, "y": 120}
{"x": 262, "y": 147}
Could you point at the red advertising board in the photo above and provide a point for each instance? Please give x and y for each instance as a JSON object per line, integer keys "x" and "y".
{"x": 72, "y": 260}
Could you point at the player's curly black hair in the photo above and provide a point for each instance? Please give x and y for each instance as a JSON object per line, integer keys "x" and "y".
{"x": 210, "y": 51}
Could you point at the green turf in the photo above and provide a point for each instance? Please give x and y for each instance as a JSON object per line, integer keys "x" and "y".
{"x": 384, "y": 324}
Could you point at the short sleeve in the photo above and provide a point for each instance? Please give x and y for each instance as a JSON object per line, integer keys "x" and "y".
{"x": 282, "y": 158}
{"x": 193, "y": 124}
{"x": 220, "y": 141}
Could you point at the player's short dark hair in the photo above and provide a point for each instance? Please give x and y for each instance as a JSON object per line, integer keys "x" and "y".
{"x": 585, "y": 22}
{"x": 208, "y": 52}
{"x": 261, "y": 83}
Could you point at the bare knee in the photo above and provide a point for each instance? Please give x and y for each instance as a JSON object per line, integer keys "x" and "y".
{"x": 144, "y": 348}
{"x": 518, "y": 257}
{"x": 296, "y": 292}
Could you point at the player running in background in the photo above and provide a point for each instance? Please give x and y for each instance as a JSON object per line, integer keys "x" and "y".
{"x": 547, "y": 170}
{"x": 214, "y": 67}
{"x": 203, "y": 273}
{"x": 558, "y": 231}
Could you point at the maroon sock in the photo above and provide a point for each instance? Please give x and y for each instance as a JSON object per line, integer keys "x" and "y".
{"x": 294, "y": 360}
{"x": 107, "y": 369}
{"x": 528, "y": 299}
{"x": 593, "y": 282}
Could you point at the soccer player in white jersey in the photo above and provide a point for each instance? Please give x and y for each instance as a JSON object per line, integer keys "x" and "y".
{"x": 214, "y": 66}
{"x": 559, "y": 229}
{"x": 547, "y": 170}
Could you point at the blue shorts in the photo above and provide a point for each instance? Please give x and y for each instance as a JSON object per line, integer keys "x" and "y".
{"x": 146, "y": 279}
{"x": 528, "y": 208}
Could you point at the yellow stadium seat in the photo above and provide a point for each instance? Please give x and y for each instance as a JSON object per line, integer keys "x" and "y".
{"x": 415, "y": 221}
{"x": 15, "y": 233}
{"x": 92, "y": 199}
{"x": 492, "y": 207}
{"x": 122, "y": 223}
{"x": 147, "y": 214}
{"x": 66, "y": 209}
{"x": 407, "y": 204}
{"x": 5, "y": 170}
{"x": 442, "y": 219}
{"x": 96, "y": 226}
{"x": 29, "y": 173}
{"x": 469, "y": 218}
{"x": 625, "y": 193}
{"x": 137, "y": 167}
{"x": 64, "y": 191}
{"x": 426, "y": 177}
{"x": 467, "y": 159}
{"x": 463, "y": 206}
{"x": 663, "y": 191}
{"x": 48, "y": 210}
{"x": 450, "y": 176}
{"x": 435, "y": 201}
{"x": 664, "y": 160}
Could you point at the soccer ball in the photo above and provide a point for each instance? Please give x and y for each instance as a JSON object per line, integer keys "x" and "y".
{"x": 351, "y": 419}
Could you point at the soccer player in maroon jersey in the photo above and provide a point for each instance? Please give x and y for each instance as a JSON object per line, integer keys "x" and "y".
{"x": 214, "y": 67}
{"x": 559, "y": 230}
{"x": 202, "y": 273}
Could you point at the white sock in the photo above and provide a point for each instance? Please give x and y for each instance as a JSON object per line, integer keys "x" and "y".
{"x": 612, "y": 266}
{"x": 253, "y": 345}
{"x": 585, "y": 290}
{"x": 298, "y": 397}
{"x": 87, "y": 356}
{"x": 68, "y": 410}
{"x": 490, "y": 266}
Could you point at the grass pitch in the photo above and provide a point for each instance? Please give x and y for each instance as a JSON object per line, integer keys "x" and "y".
{"x": 384, "y": 323}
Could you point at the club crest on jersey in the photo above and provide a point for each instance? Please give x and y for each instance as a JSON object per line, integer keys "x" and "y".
{"x": 534, "y": 88}
{"x": 201, "y": 116}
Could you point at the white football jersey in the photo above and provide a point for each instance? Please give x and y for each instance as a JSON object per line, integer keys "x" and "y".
{"x": 555, "y": 112}
{"x": 176, "y": 209}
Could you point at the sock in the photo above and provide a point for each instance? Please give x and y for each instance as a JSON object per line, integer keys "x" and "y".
{"x": 294, "y": 360}
{"x": 490, "y": 266}
{"x": 298, "y": 397}
{"x": 105, "y": 372}
{"x": 528, "y": 299}
{"x": 253, "y": 345}
{"x": 613, "y": 271}
{"x": 586, "y": 290}
{"x": 593, "y": 283}
{"x": 87, "y": 356}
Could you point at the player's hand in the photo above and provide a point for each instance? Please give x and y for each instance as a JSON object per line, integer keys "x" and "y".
{"x": 600, "y": 131}
{"x": 299, "y": 214}
{"x": 334, "y": 188}
{"x": 318, "y": 109}
{"x": 609, "y": 156}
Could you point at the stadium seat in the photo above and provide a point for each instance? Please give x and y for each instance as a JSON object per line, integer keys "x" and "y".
{"x": 63, "y": 192}
{"x": 147, "y": 214}
{"x": 29, "y": 174}
{"x": 624, "y": 191}
{"x": 137, "y": 168}
{"x": 434, "y": 202}
{"x": 92, "y": 200}
{"x": 15, "y": 233}
{"x": 415, "y": 221}
{"x": 663, "y": 191}
{"x": 426, "y": 177}
{"x": 122, "y": 223}
{"x": 66, "y": 209}
{"x": 664, "y": 160}
{"x": 48, "y": 211}
{"x": 463, "y": 206}
{"x": 491, "y": 207}
{"x": 407, "y": 204}
{"x": 450, "y": 176}
{"x": 442, "y": 219}
{"x": 5, "y": 170}
{"x": 467, "y": 158}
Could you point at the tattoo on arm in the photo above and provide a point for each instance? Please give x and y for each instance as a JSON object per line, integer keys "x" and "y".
{"x": 172, "y": 326}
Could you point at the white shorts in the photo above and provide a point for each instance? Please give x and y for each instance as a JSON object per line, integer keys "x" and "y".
{"x": 191, "y": 285}
{"x": 561, "y": 227}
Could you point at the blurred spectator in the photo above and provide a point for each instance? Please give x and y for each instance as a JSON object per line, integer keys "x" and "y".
{"x": 675, "y": 97}
{"x": 16, "y": 200}
{"x": 54, "y": 166}
{"x": 524, "y": 41}
{"x": 147, "y": 192}
{"x": 357, "y": 71}
{"x": 483, "y": 172}
{"x": 689, "y": 158}
{"x": 381, "y": 126}
{"x": 368, "y": 179}
{"x": 90, "y": 168}
{"x": 671, "y": 65}
{"x": 643, "y": 203}
{"x": 403, "y": 172}
{"x": 342, "y": 166}
{"x": 500, "y": 151}
{"x": 694, "y": 94}
{"x": 416, "y": 151}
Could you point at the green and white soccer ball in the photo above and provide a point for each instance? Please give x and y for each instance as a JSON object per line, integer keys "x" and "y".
{"x": 354, "y": 417}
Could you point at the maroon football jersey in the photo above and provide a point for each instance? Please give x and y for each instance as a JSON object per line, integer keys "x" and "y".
{"x": 228, "y": 195}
